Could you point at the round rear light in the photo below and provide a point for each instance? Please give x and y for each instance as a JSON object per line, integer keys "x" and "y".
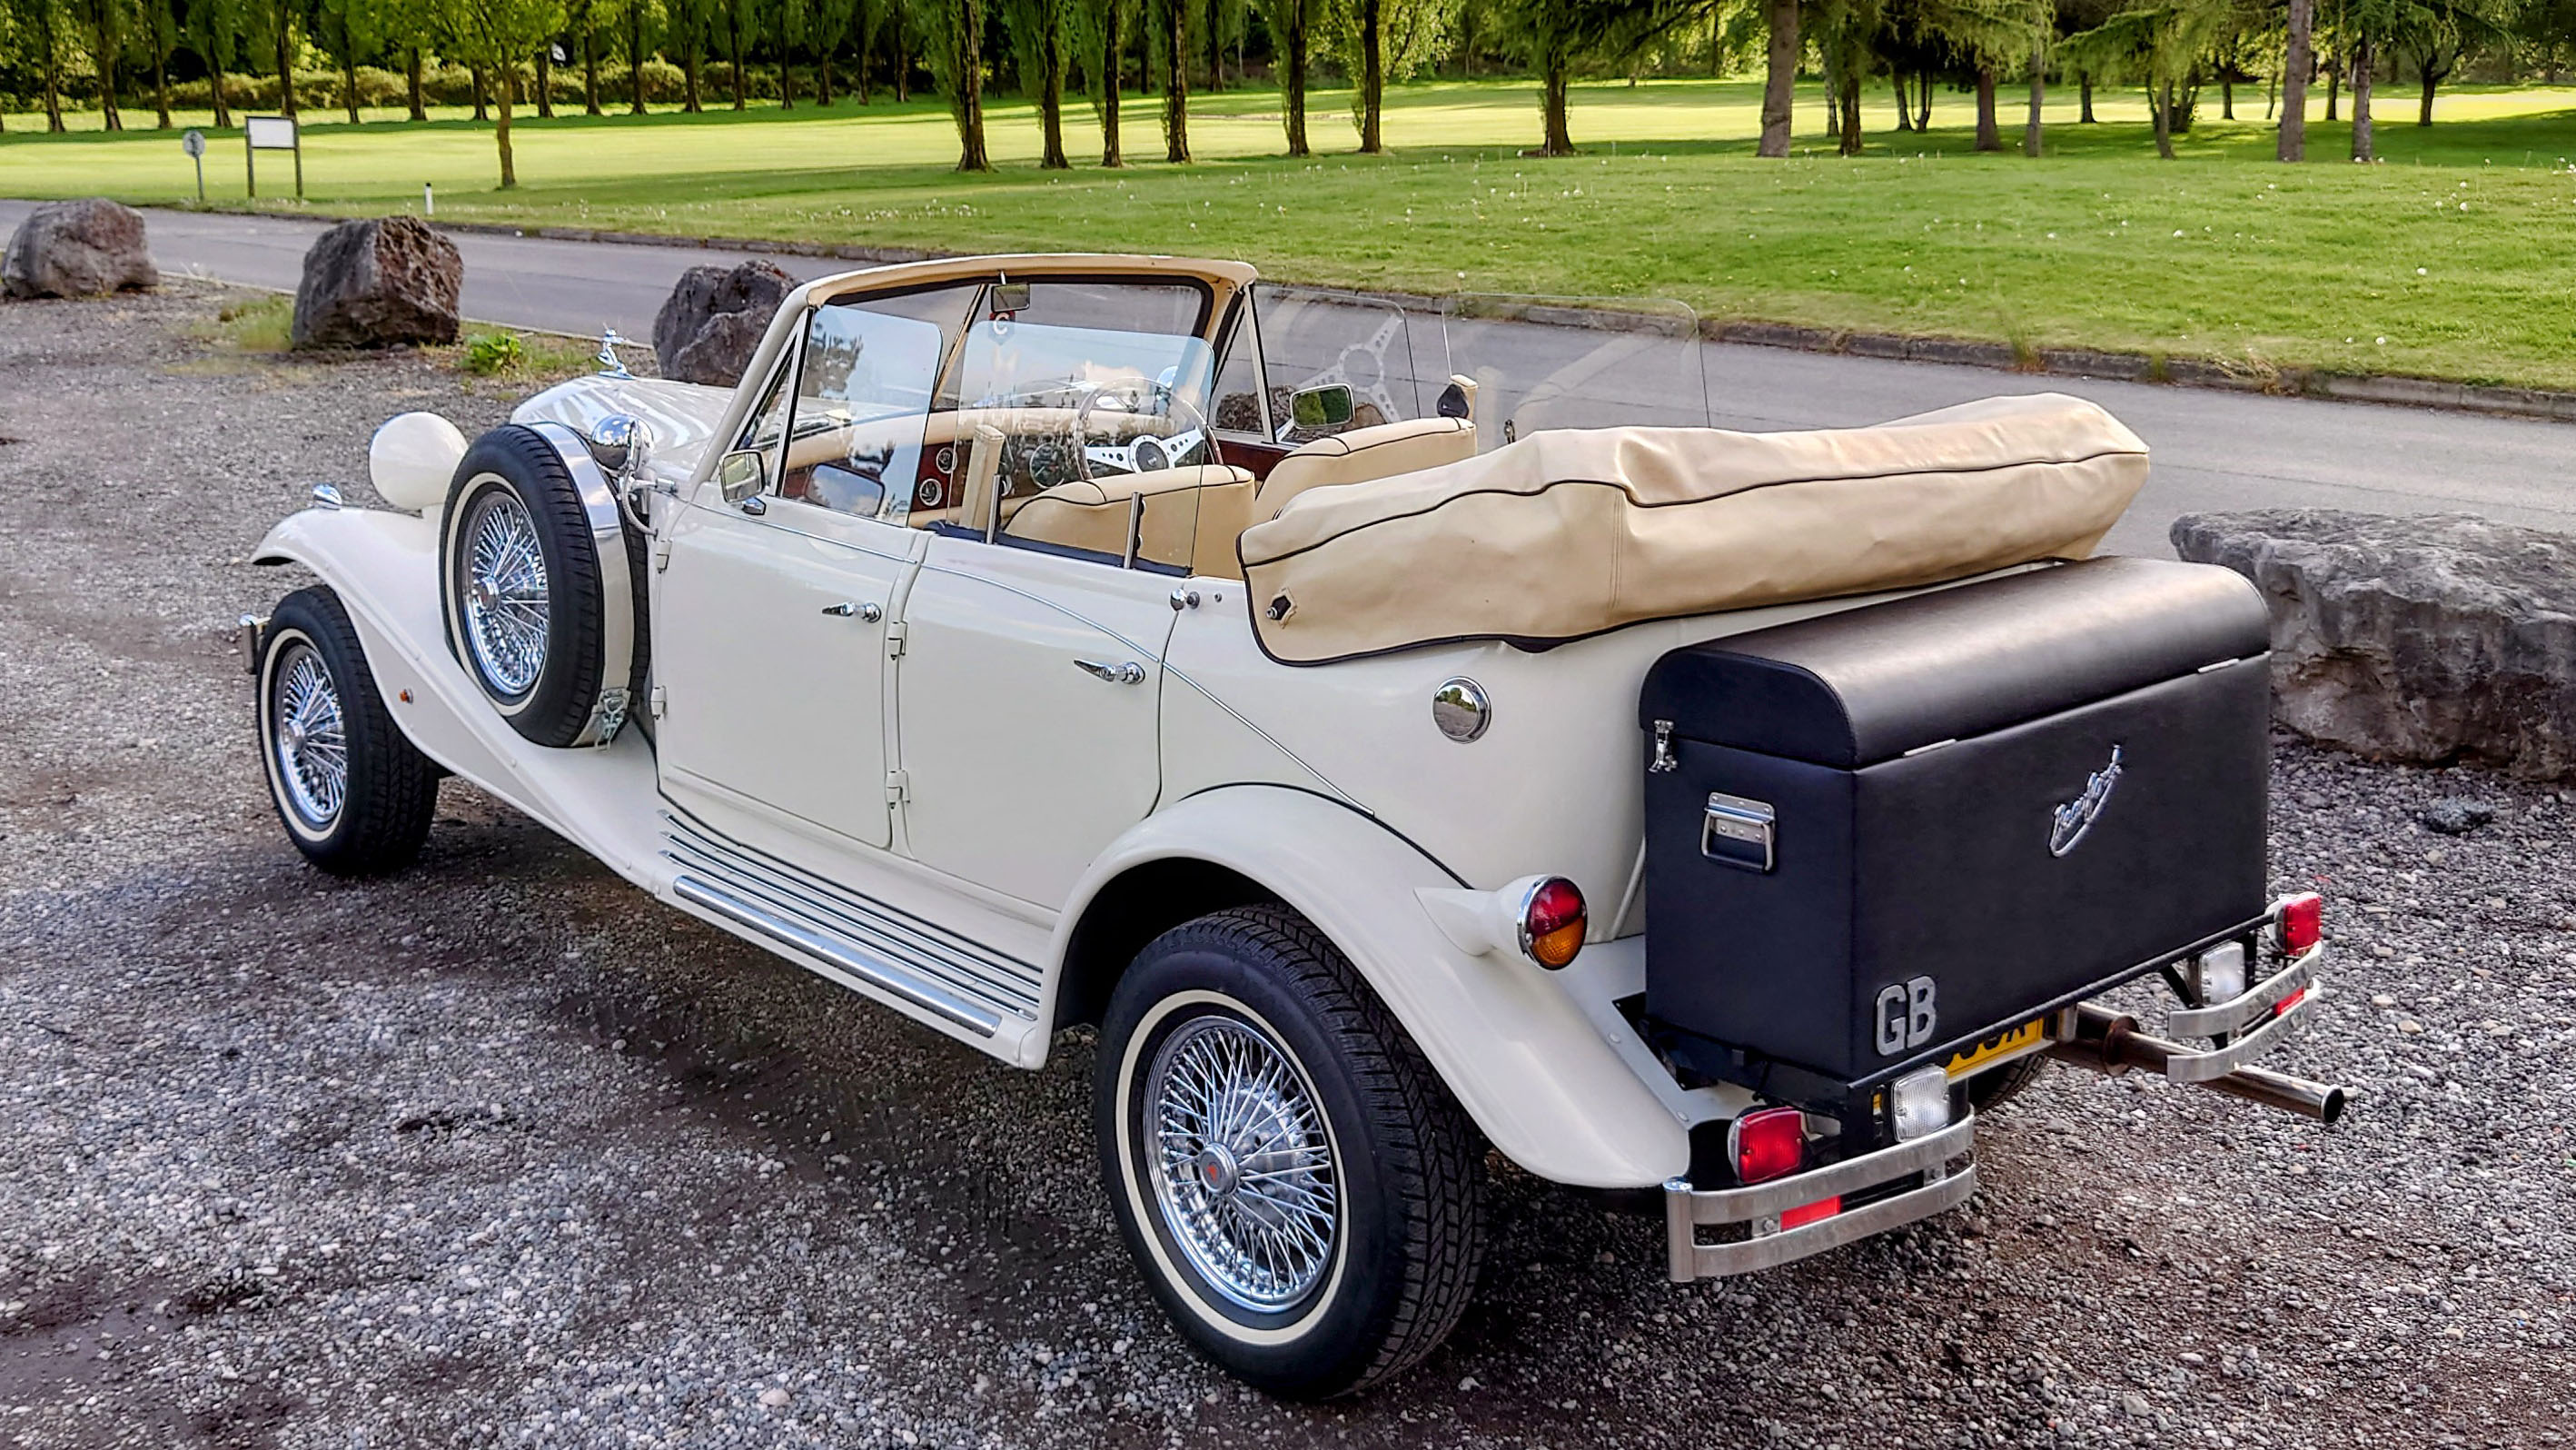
{"x": 1552, "y": 921}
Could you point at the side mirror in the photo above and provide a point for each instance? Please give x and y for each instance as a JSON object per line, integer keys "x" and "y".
{"x": 742, "y": 474}
{"x": 1458, "y": 400}
{"x": 1329, "y": 406}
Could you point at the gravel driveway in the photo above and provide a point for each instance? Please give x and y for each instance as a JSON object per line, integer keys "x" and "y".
{"x": 500, "y": 1152}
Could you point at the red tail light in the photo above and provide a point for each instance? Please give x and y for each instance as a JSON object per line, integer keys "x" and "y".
{"x": 2303, "y": 922}
{"x": 1552, "y": 923}
{"x": 1769, "y": 1144}
{"x": 1822, "y": 1208}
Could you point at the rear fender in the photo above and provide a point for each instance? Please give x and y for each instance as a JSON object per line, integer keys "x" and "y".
{"x": 1517, "y": 1051}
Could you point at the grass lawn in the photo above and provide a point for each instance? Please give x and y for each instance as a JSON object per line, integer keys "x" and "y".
{"x": 2456, "y": 258}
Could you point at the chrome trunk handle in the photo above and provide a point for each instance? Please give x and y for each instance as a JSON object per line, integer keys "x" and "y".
{"x": 1130, "y": 673}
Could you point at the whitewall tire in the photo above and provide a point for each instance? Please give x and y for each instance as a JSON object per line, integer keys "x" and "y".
{"x": 355, "y": 795}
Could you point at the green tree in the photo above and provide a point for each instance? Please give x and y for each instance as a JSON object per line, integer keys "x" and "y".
{"x": 1553, "y": 37}
{"x": 639, "y": 19}
{"x": 158, "y": 23}
{"x": 215, "y": 30}
{"x": 1040, "y": 44}
{"x": 1292, "y": 25}
{"x": 1384, "y": 40}
{"x": 498, "y": 36}
{"x": 691, "y": 22}
{"x": 2157, "y": 42}
{"x": 40, "y": 27}
{"x": 102, "y": 24}
{"x": 345, "y": 30}
{"x": 953, "y": 31}
{"x": 736, "y": 17}
{"x": 1176, "y": 79}
{"x": 1108, "y": 21}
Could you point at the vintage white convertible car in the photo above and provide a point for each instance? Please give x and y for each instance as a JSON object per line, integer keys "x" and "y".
{"x": 1711, "y": 820}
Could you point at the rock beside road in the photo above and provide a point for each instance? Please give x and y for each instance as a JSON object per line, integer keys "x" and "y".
{"x": 2425, "y": 638}
{"x": 83, "y": 248}
{"x": 713, "y": 320}
{"x": 383, "y": 282}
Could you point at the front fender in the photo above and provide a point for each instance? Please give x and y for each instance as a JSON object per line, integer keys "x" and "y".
{"x": 1518, "y": 1052}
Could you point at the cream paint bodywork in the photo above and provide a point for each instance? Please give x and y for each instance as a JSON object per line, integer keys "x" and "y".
{"x": 1329, "y": 786}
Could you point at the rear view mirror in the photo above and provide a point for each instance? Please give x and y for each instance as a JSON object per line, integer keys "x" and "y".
{"x": 742, "y": 474}
{"x": 1325, "y": 407}
{"x": 1009, "y": 297}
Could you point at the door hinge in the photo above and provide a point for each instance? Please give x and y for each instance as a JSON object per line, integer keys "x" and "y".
{"x": 660, "y": 702}
{"x": 894, "y": 635}
{"x": 661, "y": 554}
{"x": 898, "y": 787}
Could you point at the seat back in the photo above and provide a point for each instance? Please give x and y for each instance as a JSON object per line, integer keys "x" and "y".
{"x": 1363, "y": 454}
{"x": 1192, "y": 516}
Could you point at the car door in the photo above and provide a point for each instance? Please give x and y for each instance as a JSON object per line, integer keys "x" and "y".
{"x": 771, "y": 616}
{"x": 1026, "y": 699}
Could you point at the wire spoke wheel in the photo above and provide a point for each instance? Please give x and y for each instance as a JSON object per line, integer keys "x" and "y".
{"x": 310, "y": 736}
{"x": 1243, "y": 1164}
{"x": 506, "y": 600}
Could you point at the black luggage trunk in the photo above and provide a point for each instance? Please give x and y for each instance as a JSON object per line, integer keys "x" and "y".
{"x": 1876, "y": 836}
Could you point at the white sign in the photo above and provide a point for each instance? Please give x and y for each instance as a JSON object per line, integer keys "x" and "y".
{"x": 194, "y": 143}
{"x": 270, "y": 133}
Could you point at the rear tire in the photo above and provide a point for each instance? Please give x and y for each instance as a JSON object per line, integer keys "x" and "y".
{"x": 1299, "y": 1188}
{"x": 1995, "y": 1087}
{"x": 355, "y": 795}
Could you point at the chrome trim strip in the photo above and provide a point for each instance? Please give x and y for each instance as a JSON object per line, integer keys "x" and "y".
{"x": 875, "y": 971}
{"x": 949, "y": 961}
{"x": 2234, "y": 1013}
{"x": 1762, "y": 1200}
{"x": 1693, "y": 1260}
{"x": 2202, "y": 1066}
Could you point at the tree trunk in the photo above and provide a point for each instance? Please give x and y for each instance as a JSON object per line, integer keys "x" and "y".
{"x": 823, "y": 77}
{"x": 161, "y": 76}
{"x": 501, "y": 127}
{"x": 1849, "y": 142}
{"x": 223, "y": 108}
{"x": 1923, "y": 102}
{"x": 2227, "y": 94}
{"x": 902, "y": 68}
{"x": 1989, "y": 135}
{"x": 49, "y": 47}
{"x": 2084, "y": 85}
{"x": 969, "y": 71}
{"x": 1779, "y": 78}
{"x": 689, "y": 62}
{"x": 786, "y": 76}
{"x": 635, "y": 60}
{"x": 590, "y": 72}
{"x": 1176, "y": 84}
{"x": 1372, "y": 20}
{"x": 2334, "y": 78}
{"x": 1904, "y": 99}
{"x": 1558, "y": 133}
{"x": 733, "y": 51}
{"x": 482, "y": 93}
{"x": 2031, "y": 139}
{"x": 1113, "y": 61}
{"x": 2363, "y": 63}
{"x": 1293, "y": 77}
{"x": 2423, "y": 113}
{"x": 411, "y": 84}
{"x": 2160, "y": 106}
{"x": 349, "y": 84}
{"x": 1051, "y": 84}
{"x": 285, "y": 58}
{"x": 2292, "y": 144}
{"x": 545, "y": 80}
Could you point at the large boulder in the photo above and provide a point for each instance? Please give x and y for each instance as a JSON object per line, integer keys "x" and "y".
{"x": 713, "y": 320}
{"x": 2429, "y": 638}
{"x": 378, "y": 283}
{"x": 78, "y": 249}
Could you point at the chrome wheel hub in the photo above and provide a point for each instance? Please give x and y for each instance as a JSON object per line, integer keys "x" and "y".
{"x": 1245, "y": 1172}
{"x": 505, "y": 594}
{"x": 310, "y": 738}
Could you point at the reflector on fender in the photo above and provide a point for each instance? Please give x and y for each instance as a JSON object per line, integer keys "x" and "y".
{"x": 1822, "y": 1208}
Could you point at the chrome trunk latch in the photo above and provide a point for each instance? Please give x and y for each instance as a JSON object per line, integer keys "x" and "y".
{"x": 1663, "y": 749}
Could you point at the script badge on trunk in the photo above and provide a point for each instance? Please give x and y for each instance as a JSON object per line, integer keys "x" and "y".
{"x": 2076, "y": 817}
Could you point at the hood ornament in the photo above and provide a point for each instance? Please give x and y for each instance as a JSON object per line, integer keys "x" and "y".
{"x": 2073, "y": 819}
{"x": 610, "y": 366}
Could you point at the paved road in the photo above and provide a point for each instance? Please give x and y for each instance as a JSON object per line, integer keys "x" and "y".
{"x": 2213, "y": 450}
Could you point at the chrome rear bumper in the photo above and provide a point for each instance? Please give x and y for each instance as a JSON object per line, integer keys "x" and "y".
{"x": 1760, "y": 1207}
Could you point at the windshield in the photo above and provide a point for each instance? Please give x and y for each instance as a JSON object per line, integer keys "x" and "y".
{"x": 1577, "y": 362}
{"x": 1031, "y": 365}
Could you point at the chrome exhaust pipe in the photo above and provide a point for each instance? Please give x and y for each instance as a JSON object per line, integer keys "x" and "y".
{"x": 2111, "y": 1044}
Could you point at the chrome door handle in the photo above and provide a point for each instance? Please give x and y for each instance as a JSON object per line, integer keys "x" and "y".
{"x": 869, "y": 611}
{"x": 754, "y": 505}
{"x": 1130, "y": 673}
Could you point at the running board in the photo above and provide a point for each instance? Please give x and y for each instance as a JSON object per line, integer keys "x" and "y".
{"x": 875, "y": 945}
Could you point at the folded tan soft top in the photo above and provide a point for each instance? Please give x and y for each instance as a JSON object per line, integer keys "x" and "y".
{"x": 1571, "y": 532}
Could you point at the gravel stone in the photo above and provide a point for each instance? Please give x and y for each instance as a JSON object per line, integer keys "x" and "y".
{"x": 471, "y": 1156}
{"x": 2455, "y": 817}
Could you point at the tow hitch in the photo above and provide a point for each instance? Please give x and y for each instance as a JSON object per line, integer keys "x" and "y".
{"x": 2111, "y": 1043}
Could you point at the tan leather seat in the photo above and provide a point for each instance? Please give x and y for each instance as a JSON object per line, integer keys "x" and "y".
{"x": 1363, "y": 454}
{"x": 1192, "y": 516}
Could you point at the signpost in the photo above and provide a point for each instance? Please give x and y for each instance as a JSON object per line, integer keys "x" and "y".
{"x": 194, "y": 143}
{"x": 271, "y": 133}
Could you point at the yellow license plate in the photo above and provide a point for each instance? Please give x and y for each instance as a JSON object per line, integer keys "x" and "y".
{"x": 2012, "y": 1043}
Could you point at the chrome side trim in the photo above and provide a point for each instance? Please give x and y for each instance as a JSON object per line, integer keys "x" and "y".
{"x": 1761, "y": 1205}
{"x": 616, "y": 585}
{"x": 2234, "y": 1013}
{"x": 847, "y": 957}
{"x": 931, "y": 959}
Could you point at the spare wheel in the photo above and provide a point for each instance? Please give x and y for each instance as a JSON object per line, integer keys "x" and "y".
{"x": 539, "y": 586}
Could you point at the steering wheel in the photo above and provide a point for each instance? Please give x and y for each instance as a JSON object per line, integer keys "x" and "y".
{"x": 1183, "y": 438}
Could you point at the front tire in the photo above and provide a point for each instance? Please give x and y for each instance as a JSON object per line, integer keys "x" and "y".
{"x": 1296, "y": 1183}
{"x": 354, "y": 793}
